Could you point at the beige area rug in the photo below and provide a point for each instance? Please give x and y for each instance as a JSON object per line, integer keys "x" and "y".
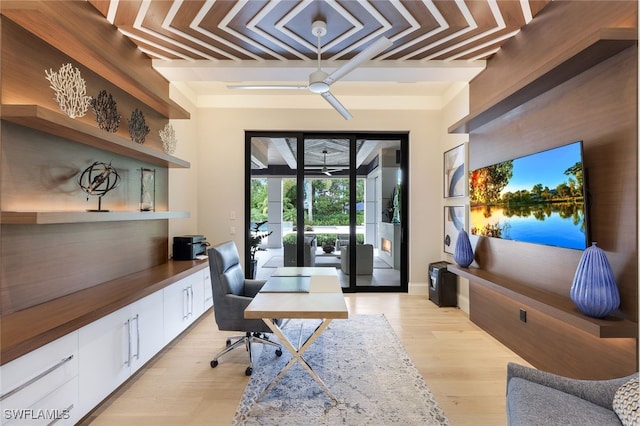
{"x": 363, "y": 363}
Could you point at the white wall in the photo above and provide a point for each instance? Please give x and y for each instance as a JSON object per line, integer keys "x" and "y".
{"x": 183, "y": 183}
{"x": 213, "y": 188}
{"x": 455, "y": 109}
{"x": 221, "y": 169}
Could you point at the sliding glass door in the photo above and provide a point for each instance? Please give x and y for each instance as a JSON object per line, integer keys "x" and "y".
{"x": 334, "y": 200}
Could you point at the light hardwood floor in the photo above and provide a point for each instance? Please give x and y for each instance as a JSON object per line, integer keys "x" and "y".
{"x": 464, "y": 367}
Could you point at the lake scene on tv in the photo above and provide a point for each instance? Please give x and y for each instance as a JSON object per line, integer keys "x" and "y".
{"x": 537, "y": 199}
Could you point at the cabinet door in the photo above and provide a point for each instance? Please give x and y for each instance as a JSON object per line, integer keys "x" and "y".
{"x": 146, "y": 316}
{"x": 179, "y": 305}
{"x": 104, "y": 354}
{"x": 208, "y": 293}
{"x": 197, "y": 295}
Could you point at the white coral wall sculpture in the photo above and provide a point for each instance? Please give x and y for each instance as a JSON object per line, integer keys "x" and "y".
{"x": 70, "y": 89}
{"x": 168, "y": 137}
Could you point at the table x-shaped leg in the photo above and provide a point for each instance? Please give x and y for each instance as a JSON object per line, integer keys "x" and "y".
{"x": 296, "y": 355}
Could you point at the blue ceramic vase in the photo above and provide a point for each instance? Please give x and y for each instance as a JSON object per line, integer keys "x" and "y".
{"x": 463, "y": 253}
{"x": 594, "y": 289}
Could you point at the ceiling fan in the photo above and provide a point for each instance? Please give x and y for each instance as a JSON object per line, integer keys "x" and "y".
{"x": 327, "y": 170}
{"x": 319, "y": 80}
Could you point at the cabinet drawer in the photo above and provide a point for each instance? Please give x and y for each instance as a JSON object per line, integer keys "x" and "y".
{"x": 57, "y": 408}
{"x": 28, "y": 379}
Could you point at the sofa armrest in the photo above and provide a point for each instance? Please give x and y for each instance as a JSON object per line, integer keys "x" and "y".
{"x": 599, "y": 392}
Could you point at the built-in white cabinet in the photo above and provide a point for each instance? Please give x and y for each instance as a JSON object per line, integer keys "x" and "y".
{"x": 41, "y": 387}
{"x": 64, "y": 380}
{"x": 183, "y": 303}
{"x": 115, "y": 346}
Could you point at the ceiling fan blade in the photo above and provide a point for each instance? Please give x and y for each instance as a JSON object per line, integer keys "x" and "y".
{"x": 266, "y": 87}
{"x": 336, "y": 105}
{"x": 374, "y": 49}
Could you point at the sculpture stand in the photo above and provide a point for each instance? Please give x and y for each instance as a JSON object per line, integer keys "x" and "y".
{"x": 99, "y": 207}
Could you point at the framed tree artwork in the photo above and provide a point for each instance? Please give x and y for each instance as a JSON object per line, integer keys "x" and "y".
{"x": 455, "y": 182}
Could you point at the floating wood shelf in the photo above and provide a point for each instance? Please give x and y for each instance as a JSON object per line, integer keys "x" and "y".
{"x": 607, "y": 43}
{"x": 54, "y": 123}
{"x": 45, "y": 218}
{"x": 559, "y": 307}
{"x": 30, "y": 328}
{"x": 79, "y": 31}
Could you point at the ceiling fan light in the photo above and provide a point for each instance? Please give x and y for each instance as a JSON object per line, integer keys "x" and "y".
{"x": 316, "y": 82}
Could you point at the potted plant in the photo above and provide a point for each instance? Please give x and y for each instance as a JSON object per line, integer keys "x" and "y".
{"x": 328, "y": 248}
{"x": 255, "y": 240}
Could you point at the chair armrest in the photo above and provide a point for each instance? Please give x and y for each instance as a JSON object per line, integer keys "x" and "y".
{"x": 252, "y": 287}
{"x": 599, "y": 392}
{"x": 239, "y": 303}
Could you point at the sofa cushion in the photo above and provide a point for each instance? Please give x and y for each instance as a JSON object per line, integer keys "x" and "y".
{"x": 530, "y": 404}
{"x": 626, "y": 403}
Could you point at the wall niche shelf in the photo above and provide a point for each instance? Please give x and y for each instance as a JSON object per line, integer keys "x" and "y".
{"x": 57, "y": 124}
{"x": 53, "y": 217}
{"x": 592, "y": 51}
{"x": 556, "y": 306}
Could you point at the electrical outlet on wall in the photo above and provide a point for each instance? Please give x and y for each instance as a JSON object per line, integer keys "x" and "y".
{"x": 523, "y": 315}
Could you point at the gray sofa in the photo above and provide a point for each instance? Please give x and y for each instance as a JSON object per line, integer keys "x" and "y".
{"x": 364, "y": 259}
{"x": 537, "y": 397}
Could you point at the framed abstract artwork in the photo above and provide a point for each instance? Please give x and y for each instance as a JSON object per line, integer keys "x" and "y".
{"x": 454, "y": 172}
{"x": 455, "y": 219}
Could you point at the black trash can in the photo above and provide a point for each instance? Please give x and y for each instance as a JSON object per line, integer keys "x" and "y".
{"x": 443, "y": 285}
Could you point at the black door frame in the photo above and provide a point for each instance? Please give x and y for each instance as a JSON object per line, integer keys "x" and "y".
{"x": 403, "y": 137}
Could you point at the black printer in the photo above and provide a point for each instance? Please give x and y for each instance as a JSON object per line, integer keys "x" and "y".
{"x": 187, "y": 247}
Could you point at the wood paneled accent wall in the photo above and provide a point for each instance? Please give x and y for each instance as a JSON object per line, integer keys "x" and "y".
{"x": 40, "y": 263}
{"x": 600, "y": 107}
{"x": 25, "y": 58}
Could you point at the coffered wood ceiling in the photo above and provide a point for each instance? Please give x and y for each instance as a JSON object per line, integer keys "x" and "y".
{"x": 263, "y": 30}
{"x": 206, "y": 40}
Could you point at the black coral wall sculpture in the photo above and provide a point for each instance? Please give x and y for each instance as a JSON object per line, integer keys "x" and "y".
{"x": 138, "y": 129}
{"x": 106, "y": 111}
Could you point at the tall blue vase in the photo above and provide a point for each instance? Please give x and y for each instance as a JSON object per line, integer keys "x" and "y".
{"x": 463, "y": 253}
{"x": 594, "y": 289}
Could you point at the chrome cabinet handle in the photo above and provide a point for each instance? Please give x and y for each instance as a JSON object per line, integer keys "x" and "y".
{"x": 128, "y": 324}
{"x": 36, "y": 378}
{"x": 66, "y": 410}
{"x": 137, "y": 318}
{"x": 185, "y": 303}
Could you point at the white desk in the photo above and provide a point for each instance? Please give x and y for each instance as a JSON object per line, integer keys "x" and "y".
{"x": 324, "y": 301}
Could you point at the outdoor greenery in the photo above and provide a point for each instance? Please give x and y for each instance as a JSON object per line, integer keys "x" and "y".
{"x": 322, "y": 239}
{"x": 329, "y": 198}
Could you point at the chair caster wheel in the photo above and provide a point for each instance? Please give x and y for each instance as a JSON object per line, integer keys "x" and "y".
{"x": 228, "y": 342}
{"x": 278, "y": 352}
{"x": 214, "y": 363}
{"x": 248, "y": 371}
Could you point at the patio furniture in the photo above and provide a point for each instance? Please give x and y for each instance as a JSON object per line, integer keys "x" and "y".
{"x": 364, "y": 259}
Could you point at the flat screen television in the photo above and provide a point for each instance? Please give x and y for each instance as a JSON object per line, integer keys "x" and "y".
{"x": 539, "y": 198}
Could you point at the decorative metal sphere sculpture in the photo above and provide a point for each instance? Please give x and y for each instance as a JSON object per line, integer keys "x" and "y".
{"x": 98, "y": 179}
